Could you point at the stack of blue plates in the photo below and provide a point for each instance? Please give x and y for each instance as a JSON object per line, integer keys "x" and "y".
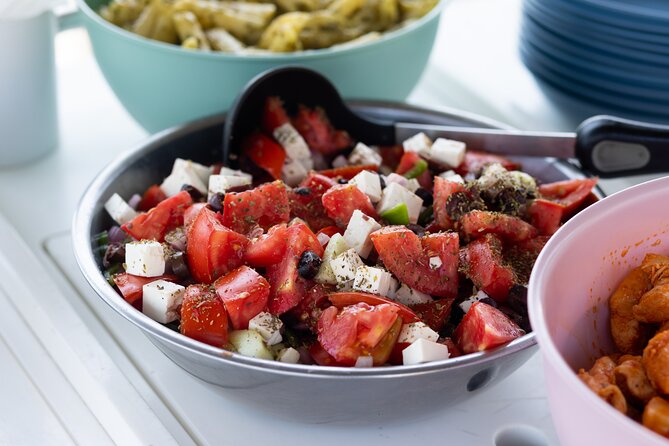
{"x": 613, "y": 54}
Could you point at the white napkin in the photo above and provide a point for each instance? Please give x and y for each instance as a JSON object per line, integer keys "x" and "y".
{"x": 22, "y": 9}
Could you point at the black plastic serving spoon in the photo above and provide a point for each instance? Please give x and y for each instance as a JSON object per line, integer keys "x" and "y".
{"x": 604, "y": 145}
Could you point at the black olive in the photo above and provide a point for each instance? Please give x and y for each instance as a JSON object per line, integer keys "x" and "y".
{"x": 490, "y": 301}
{"x": 517, "y": 299}
{"x": 195, "y": 194}
{"x": 309, "y": 264}
{"x": 342, "y": 181}
{"x": 425, "y": 194}
{"x": 114, "y": 252}
{"x": 383, "y": 182}
{"x": 216, "y": 202}
{"x": 417, "y": 229}
{"x": 302, "y": 191}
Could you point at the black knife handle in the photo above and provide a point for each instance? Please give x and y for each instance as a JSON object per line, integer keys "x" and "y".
{"x": 610, "y": 147}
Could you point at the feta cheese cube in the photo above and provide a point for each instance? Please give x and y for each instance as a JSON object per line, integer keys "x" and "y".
{"x": 119, "y": 210}
{"x": 435, "y": 262}
{"x": 396, "y": 178}
{"x": 222, "y": 183}
{"x": 323, "y": 238}
{"x": 417, "y": 143}
{"x": 372, "y": 280}
{"x": 339, "y": 161}
{"x": 412, "y": 185}
{"x": 345, "y": 286}
{"x": 392, "y": 288}
{"x": 307, "y": 163}
{"x": 345, "y": 265}
{"x": 422, "y": 351}
{"x": 408, "y": 296}
{"x": 200, "y": 170}
{"x": 360, "y": 226}
{"x": 161, "y": 299}
{"x": 415, "y": 331}
{"x": 369, "y": 183}
{"x": 268, "y": 325}
{"x": 336, "y": 246}
{"x": 292, "y": 142}
{"x": 235, "y": 173}
{"x": 293, "y": 172}
{"x": 446, "y": 152}
{"x": 466, "y": 304}
{"x": 363, "y": 154}
{"x": 452, "y": 176}
{"x": 289, "y": 355}
{"x": 184, "y": 172}
{"x": 395, "y": 194}
{"x": 364, "y": 362}
{"x": 145, "y": 258}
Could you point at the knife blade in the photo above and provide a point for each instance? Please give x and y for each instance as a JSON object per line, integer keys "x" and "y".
{"x": 506, "y": 142}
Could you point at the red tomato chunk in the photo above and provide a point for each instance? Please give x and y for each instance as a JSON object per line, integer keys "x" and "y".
{"x": 408, "y": 257}
{"x": 154, "y": 224}
{"x": 264, "y": 206}
{"x": 485, "y": 327}
{"x": 203, "y": 316}
{"x": 340, "y": 201}
{"x": 212, "y": 249}
{"x": 244, "y": 293}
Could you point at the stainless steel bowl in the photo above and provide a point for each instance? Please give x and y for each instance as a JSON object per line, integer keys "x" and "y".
{"x": 311, "y": 393}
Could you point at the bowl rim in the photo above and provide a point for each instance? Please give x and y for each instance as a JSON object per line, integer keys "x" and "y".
{"x": 81, "y": 228}
{"x": 536, "y": 309}
{"x": 294, "y": 56}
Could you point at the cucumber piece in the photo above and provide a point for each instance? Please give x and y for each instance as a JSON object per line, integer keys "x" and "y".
{"x": 250, "y": 343}
{"x": 337, "y": 245}
{"x": 397, "y": 215}
{"x": 417, "y": 169}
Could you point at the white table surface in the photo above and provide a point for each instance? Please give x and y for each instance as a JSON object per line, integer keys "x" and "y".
{"x": 73, "y": 372}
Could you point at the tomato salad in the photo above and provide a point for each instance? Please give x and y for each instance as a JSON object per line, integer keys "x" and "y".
{"x": 322, "y": 250}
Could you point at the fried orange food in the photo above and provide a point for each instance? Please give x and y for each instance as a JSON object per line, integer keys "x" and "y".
{"x": 635, "y": 379}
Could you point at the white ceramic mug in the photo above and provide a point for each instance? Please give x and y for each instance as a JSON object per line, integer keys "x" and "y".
{"x": 28, "y": 109}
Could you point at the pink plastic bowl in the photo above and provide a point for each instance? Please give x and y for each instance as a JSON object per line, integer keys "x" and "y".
{"x": 568, "y": 305}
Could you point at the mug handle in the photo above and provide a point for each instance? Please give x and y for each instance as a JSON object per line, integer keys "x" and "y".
{"x": 68, "y": 18}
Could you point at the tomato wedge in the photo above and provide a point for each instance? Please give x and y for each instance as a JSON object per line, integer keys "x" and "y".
{"x": 306, "y": 201}
{"x": 151, "y": 198}
{"x": 408, "y": 258}
{"x": 435, "y": 314}
{"x": 485, "y": 327}
{"x": 130, "y": 286}
{"x": 348, "y": 172}
{"x": 274, "y": 114}
{"x": 344, "y": 299}
{"x": 485, "y": 267}
{"x": 265, "y": 153}
{"x": 359, "y": 330}
{"x": 545, "y": 215}
{"x": 154, "y": 224}
{"x": 443, "y": 189}
{"x": 317, "y": 131}
{"x": 244, "y": 293}
{"x": 288, "y": 289}
{"x": 569, "y": 193}
{"x": 477, "y": 223}
{"x": 212, "y": 249}
{"x": 267, "y": 249}
{"x": 264, "y": 206}
{"x": 203, "y": 316}
{"x": 342, "y": 200}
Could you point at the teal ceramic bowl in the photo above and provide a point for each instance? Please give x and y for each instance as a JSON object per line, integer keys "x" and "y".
{"x": 163, "y": 85}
